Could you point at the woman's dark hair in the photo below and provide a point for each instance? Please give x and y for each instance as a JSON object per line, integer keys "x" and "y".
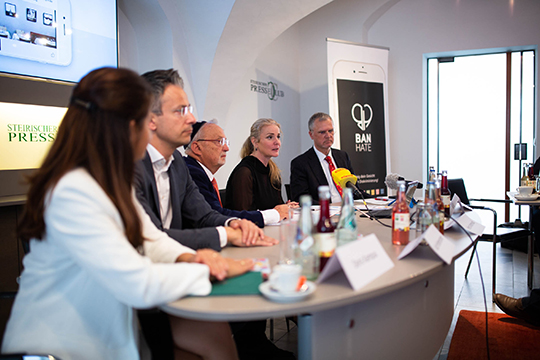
{"x": 95, "y": 135}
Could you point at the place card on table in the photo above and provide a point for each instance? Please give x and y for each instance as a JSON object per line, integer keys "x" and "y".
{"x": 362, "y": 261}
{"x": 470, "y": 225}
{"x": 441, "y": 245}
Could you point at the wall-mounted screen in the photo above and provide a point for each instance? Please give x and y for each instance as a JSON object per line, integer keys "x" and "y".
{"x": 57, "y": 39}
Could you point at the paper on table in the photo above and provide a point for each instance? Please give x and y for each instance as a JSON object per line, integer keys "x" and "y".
{"x": 470, "y": 225}
{"x": 410, "y": 247}
{"x": 362, "y": 261}
{"x": 448, "y": 224}
{"x": 373, "y": 201}
{"x": 441, "y": 245}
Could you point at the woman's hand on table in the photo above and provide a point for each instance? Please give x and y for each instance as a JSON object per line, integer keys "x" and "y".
{"x": 238, "y": 267}
{"x": 219, "y": 266}
{"x": 284, "y": 210}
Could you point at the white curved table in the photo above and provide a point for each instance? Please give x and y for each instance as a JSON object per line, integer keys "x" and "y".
{"x": 405, "y": 313}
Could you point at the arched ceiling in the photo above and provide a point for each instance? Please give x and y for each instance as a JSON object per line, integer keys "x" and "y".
{"x": 252, "y": 25}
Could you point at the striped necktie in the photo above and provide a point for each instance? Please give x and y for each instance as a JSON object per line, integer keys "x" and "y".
{"x": 332, "y": 168}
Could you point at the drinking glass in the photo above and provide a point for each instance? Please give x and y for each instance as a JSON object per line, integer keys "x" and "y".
{"x": 423, "y": 219}
{"x": 287, "y": 235}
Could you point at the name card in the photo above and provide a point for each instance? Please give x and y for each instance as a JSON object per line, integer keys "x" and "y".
{"x": 454, "y": 204}
{"x": 362, "y": 260}
{"x": 441, "y": 245}
{"x": 470, "y": 225}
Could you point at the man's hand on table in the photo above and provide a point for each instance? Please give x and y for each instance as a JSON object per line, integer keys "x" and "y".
{"x": 243, "y": 232}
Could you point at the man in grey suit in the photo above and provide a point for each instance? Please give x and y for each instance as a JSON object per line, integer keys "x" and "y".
{"x": 313, "y": 168}
{"x": 164, "y": 186}
{"x": 172, "y": 200}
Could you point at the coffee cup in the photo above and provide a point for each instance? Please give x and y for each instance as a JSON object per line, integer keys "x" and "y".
{"x": 284, "y": 278}
{"x": 525, "y": 191}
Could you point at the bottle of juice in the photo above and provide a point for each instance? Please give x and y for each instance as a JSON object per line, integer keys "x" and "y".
{"x": 325, "y": 237}
{"x": 400, "y": 217}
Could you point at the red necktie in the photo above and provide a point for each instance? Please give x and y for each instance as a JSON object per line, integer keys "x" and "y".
{"x": 214, "y": 183}
{"x": 332, "y": 168}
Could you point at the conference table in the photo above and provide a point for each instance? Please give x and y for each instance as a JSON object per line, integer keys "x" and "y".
{"x": 405, "y": 313}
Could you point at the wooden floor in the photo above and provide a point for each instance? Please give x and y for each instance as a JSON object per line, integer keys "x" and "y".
{"x": 511, "y": 281}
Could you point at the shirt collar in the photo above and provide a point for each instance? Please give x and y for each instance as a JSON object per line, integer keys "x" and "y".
{"x": 208, "y": 172}
{"x": 158, "y": 161}
{"x": 320, "y": 155}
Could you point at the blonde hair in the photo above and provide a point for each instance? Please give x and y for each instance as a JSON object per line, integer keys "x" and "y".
{"x": 248, "y": 149}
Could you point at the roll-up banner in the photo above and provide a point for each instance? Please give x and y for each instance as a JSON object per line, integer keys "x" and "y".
{"x": 357, "y": 78}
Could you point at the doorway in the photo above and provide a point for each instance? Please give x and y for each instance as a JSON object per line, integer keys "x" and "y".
{"x": 479, "y": 106}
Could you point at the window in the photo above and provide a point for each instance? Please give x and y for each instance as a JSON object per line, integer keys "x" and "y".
{"x": 479, "y": 106}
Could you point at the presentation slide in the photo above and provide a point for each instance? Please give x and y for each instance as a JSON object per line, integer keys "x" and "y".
{"x": 57, "y": 39}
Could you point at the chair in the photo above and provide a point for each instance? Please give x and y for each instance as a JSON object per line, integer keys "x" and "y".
{"x": 457, "y": 186}
{"x": 222, "y": 193}
{"x": 288, "y": 191}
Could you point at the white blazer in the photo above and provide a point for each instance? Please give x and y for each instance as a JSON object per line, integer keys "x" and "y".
{"x": 81, "y": 282}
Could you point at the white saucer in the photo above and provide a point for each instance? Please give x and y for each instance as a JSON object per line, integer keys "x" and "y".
{"x": 526, "y": 198}
{"x": 276, "y": 296}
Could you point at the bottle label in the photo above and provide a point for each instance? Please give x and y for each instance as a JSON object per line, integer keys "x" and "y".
{"x": 401, "y": 222}
{"x": 306, "y": 243}
{"x": 326, "y": 242}
{"x": 445, "y": 200}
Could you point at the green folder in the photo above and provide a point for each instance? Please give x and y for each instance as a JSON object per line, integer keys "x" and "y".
{"x": 245, "y": 284}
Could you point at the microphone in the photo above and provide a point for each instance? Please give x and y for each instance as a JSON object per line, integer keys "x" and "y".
{"x": 344, "y": 178}
{"x": 392, "y": 179}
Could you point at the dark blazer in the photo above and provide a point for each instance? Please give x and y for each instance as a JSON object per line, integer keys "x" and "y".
{"x": 307, "y": 173}
{"x": 206, "y": 188}
{"x": 193, "y": 220}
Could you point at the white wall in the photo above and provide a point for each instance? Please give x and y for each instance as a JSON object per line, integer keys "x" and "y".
{"x": 252, "y": 45}
{"x": 277, "y": 63}
{"x": 410, "y": 28}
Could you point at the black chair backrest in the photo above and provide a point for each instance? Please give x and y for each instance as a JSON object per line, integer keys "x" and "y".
{"x": 457, "y": 186}
{"x": 288, "y": 191}
{"x": 222, "y": 193}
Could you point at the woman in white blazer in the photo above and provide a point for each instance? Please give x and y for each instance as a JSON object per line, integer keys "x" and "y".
{"x": 94, "y": 253}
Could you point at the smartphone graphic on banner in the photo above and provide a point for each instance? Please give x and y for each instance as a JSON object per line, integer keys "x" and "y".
{"x": 359, "y": 99}
{"x": 37, "y": 30}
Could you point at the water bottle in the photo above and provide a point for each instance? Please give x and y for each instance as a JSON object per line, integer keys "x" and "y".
{"x": 306, "y": 253}
{"x": 347, "y": 230}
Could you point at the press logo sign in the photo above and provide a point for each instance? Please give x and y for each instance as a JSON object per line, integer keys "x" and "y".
{"x": 26, "y": 134}
{"x": 269, "y": 88}
{"x": 362, "y": 116}
{"x": 31, "y": 133}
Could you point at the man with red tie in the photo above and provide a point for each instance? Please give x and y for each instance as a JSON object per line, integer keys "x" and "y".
{"x": 206, "y": 153}
{"x": 314, "y": 167}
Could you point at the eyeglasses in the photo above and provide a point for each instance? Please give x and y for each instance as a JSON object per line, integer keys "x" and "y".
{"x": 184, "y": 110}
{"x": 220, "y": 142}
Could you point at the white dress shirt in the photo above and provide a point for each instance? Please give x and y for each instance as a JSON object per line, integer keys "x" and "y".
{"x": 334, "y": 193}
{"x": 163, "y": 184}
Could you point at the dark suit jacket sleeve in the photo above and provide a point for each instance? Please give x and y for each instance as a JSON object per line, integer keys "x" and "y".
{"x": 207, "y": 191}
{"x": 342, "y": 159}
{"x": 144, "y": 184}
{"x": 299, "y": 178}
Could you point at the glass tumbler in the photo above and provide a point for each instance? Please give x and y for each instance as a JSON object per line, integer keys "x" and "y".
{"x": 287, "y": 235}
